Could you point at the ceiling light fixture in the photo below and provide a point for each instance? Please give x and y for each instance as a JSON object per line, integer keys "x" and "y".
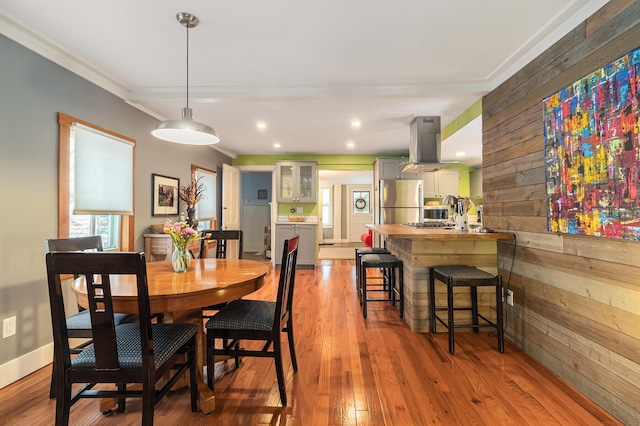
{"x": 186, "y": 130}
{"x": 261, "y": 126}
{"x": 276, "y": 145}
{"x": 350, "y": 144}
{"x": 355, "y": 124}
{"x": 460, "y": 154}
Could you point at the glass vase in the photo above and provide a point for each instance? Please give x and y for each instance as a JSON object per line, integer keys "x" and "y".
{"x": 180, "y": 259}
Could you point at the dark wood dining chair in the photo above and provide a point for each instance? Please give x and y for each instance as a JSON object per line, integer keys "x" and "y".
{"x": 222, "y": 239}
{"x": 79, "y": 325}
{"x": 139, "y": 352}
{"x": 258, "y": 320}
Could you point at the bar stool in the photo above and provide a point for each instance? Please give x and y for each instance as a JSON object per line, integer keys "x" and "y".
{"x": 359, "y": 252}
{"x": 465, "y": 276}
{"x": 394, "y": 288}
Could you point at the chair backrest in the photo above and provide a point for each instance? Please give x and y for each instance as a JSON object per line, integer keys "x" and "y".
{"x": 93, "y": 242}
{"x": 222, "y": 239}
{"x": 96, "y": 268}
{"x": 286, "y": 283}
{"x": 90, "y": 243}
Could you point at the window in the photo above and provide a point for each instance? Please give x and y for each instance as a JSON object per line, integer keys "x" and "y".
{"x": 95, "y": 187}
{"x": 206, "y": 208}
{"x": 327, "y": 206}
{"x": 361, "y": 202}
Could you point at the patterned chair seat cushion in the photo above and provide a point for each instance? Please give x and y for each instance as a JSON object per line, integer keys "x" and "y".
{"x": 167, "y": 339}
{"x": 82, "y": 320}
{"x": 244, "y": 315}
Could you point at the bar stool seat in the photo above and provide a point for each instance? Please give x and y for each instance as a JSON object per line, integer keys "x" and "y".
{"x": 465, "y": 276}
{"x": 388, "y": 283}
{"x": 359, "y": 252}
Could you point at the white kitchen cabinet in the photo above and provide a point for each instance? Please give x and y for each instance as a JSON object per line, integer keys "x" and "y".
{"x": 297, "y": 181}
{"x": 441, "y": 183}
{"x": 475, "y": 183}
{"x": 306, "y": 244}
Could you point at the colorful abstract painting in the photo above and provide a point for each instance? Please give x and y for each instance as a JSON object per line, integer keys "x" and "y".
{"x": 592, "y": 153}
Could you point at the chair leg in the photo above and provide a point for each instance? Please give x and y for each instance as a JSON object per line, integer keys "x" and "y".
{"x": 52, "y": 385}
{"x": 401, "y": 283}
{"x": 392, "y": 285}
{"x": 450, "y": 316}
{"x": 63, "y": 402}
{"x": 363, "y": 284}
{"x": 148, "y": 402}
{"x": 499, "y": 314}
{"x": 277, "y": 357}
{"x": 292, "y": 346}
{"x": 432, "y": 301}
{"x": 210, "y": 345}
{"x": 474, "y": 307}
{"x": 121, "y": 401}
{"x": 237, "y": 358}
{"x": 193, "y": 366}
{"x": 358, "y": 277}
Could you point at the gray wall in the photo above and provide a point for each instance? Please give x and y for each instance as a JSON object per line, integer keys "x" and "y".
{"x": 32, "y": 91}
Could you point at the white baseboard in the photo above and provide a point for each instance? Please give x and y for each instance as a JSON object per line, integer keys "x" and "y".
{"x": 335, "y": 241}
{"x": 22, "y": 366}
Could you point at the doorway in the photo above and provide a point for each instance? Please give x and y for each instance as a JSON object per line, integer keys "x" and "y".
{"x": 334, "y": 213}
{"x": 255, "y": 214}
{"x": 359, "y": 212}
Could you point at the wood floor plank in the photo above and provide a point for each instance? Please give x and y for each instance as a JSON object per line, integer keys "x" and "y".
{"x": 351, "y": 371}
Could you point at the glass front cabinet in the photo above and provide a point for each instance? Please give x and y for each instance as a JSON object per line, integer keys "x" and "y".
{"x": 296, "y": 181}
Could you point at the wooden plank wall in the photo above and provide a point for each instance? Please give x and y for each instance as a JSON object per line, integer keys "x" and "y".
{"x": 577, "y": 298}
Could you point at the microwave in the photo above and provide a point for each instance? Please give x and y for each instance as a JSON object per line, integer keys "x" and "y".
{"x": 440, "y": 213}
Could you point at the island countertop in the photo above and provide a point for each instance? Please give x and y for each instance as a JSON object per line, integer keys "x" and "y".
{"x": 420, "y": 249}
{"x": 407, "y": 232}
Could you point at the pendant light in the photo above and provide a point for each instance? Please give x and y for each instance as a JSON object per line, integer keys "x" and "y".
{"x": 186, "y": 130}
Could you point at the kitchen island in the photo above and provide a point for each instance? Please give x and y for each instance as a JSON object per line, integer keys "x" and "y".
{"x": 421, "y": 248}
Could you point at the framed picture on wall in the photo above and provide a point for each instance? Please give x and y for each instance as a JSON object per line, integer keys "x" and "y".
{"x": 164, "y": 195}
{"x": 592, "y": 153}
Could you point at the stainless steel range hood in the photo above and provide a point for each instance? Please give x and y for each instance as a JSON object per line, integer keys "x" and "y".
{"x": 424, "y": 145}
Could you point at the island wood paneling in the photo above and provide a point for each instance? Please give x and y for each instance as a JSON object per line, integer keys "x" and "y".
{"x": 577, "y": 298}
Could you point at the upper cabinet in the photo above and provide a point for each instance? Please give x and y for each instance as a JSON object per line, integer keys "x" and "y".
{"x": 297, "y": 181}
{"x": 475, "y": 183}
{"x": 391, "y": 168}
{"x": 441, "y": 183}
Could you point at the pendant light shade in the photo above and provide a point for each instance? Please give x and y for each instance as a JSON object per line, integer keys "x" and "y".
{"x": 185, "y": 130}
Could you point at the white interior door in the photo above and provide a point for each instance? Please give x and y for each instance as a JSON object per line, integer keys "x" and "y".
{"x": 359, "y": 211}
{"x": 230, "y": 202}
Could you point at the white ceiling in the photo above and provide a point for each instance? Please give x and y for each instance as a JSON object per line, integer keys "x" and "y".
{"x": 306, "y": 69}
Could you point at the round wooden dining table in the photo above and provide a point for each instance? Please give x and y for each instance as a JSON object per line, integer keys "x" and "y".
{"x": 208, "y": 281}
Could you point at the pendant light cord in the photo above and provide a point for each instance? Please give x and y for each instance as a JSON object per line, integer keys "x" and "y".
{"x": 187, "y": 26}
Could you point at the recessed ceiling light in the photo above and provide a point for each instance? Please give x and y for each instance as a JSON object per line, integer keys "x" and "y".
{"x": 355, "y": 124}
{"x": 276, "y": 145}
{"x": 460, "y": 154}
{"x": 261, "y": 126}
{"x": 350, "y": 144}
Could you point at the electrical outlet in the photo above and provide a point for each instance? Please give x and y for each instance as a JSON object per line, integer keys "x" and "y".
{"x": 510, "y": 297}
{"x": 8, "y": 327}
{"x": 300, "y": 210}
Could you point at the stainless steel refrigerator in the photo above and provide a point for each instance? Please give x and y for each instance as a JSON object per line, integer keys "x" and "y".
{"x": 401, "y": 201}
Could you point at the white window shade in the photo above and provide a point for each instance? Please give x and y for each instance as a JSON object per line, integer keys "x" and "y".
{"x": 206, "y": 208}
{"x": 103, "y": 169}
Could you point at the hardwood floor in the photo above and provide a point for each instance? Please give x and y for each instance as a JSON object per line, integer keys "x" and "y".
{"x": 352, "y": 372}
